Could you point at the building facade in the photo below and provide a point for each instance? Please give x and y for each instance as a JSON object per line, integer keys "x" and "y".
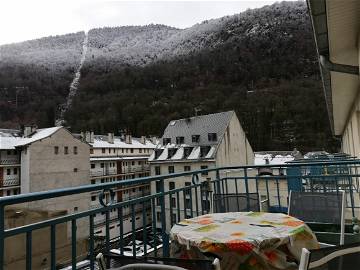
{"x": 197, "y": 143}
{"x": 114, "y": 158}
{"x": 9, "y": 163}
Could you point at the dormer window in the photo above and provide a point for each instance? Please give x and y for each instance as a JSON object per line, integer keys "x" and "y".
{"x": 187, "y": 151}
{"x": 166, "y": 141}
{"x": 171, "y": 152}
{"x": 204, "y": 150}
{"x": 158, "y": 153}
{"x": 212, "y": 137}
{"x": 195, "y": 138}
{"x": 180, "y": 140}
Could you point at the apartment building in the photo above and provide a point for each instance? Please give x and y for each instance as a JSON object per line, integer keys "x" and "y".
{"x": 114, "y": 158}
{"x": 196, "y": 143}
{"x": 9, "y": 163}
{"x": 46, "y": 159}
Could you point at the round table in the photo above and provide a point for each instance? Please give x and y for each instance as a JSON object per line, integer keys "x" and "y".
{"x": 243, "y": 240}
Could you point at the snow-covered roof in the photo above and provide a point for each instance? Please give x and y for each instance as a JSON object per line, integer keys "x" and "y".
{"x": 8, "y": 138}
{"x": 261, "y": 159}
{"x": 179, "y": 154}
{"x": 164, "y": 155}
{"x": 8, "y": 143}
{"x": 195, "y": 153}
{"x": 117, "y": 158}
{"x": 39, "y": 134}
{"x": 100, "y": 142}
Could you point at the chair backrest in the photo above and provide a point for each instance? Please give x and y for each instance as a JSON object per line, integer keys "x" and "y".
{"x": 120, "y": 260}
{"x": 101, "y": 261}
{"x": 236, "y": 202}
{"x": 317, "y": 206}
{"x": 346, "y": 257}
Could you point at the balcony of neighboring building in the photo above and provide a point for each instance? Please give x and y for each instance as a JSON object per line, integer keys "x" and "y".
{"x": 12, "y": 160}
{"x": 10, "y": 181}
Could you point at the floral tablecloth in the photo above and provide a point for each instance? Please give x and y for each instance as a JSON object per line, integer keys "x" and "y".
{"x": 243, "y": 240}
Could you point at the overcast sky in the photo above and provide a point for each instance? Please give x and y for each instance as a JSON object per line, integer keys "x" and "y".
{"x": 28, "y": 19}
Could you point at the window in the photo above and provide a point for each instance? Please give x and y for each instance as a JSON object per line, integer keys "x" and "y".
{"x": 66, "y": 150}
{"x": 140, "y": 150}
{"x": 75, "y": 169}
{"x": 93, "y": 198}
{"x": 195, "y": 138}
{"x": 166, "y": 141}
{"x": 157, "y": 170}
{"x": 171, "y": 185}
{"x": 103, "y": 150}
{"x": 131, "y": 150}
{"x": 15, "y": 170}
{"x": 180, "y": 140}
{"x": 8, "y": 172}
{"x": 93, "y": 181}
{"x": 171, "y": 169}
{"x": 187, "y": 184}
{"x": 173, "y": 202}
{"x": 109, "y": 150}
{"x": 15, "y": 191}
{"x": 158, "y": 216}
{"x": 8, "y": 152}
{"x": 212, "y": 137}
{"x": 8, "y": 193}
{"x": 75, "y": 150}
{"x": 204, "y": 168}
{"x": 139, "y": 162}
{"x": 102, "y": 165}
{"x": 204, "y": 150}
{"x": 127, "y": 150}
{"x": 158, "y": 183}
{"x": 187, "y": 168}
{"x": 132, "y": 163}
{"x": 173, "y": 218}
{"x": 56, "y": 150}
{"x": 91, "y": 151}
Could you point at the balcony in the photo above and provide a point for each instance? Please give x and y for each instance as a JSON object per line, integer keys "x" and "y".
{"x": 108, "y": 172}
{"x": 72, "y": 237}
{"x": 9, "y": 161}
{"x": 11, "y": 181}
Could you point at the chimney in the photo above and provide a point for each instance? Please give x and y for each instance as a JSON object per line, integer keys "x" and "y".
{"x": 87, "y": 136}
{"x": 91, "y": 136}
{"x": 154, "y": 139}
{"x": 143, "y": 139}
{"x": 128, "y": 139}
{"x": 110, "y": 138}
{"x": 29, "y": 130}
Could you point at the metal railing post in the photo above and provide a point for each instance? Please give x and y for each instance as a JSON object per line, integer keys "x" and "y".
{"x": 163, "y": 220}
{"x": 2, "y": 239}
{"x": 247, "y": 190}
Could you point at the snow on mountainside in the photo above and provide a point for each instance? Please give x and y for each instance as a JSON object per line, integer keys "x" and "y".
{"x": 141, "y": 45}
{"x": 55, "y": 52}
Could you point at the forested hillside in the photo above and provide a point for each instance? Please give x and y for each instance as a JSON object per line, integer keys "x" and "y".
{"x": 261, "y": 63}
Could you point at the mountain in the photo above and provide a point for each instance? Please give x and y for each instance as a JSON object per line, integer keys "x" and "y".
{"x": 262, "y": 63}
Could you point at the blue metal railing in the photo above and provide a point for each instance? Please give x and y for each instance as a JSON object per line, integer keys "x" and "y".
{"x": 159, "y": 211}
